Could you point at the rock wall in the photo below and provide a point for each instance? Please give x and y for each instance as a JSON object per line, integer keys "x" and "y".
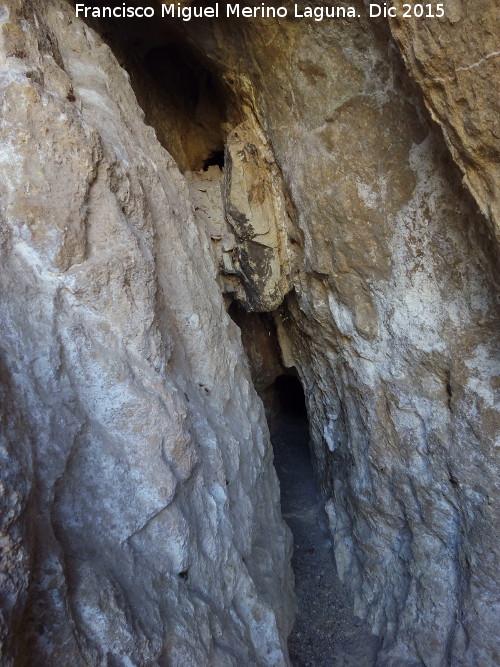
{"x": 393, "y": 325}
{"x": 140, "y": 500}
{"x": 455, "y": 63}
{"x": 140, "y": 509}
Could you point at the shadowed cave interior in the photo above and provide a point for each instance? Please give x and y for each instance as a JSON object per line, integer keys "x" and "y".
{"x": 326, "y": 632}
{"x": 182, "y": 95}
{"x": 173, "y": 78}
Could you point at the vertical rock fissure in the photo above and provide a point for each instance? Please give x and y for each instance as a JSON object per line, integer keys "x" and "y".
{"x": 240, "y": 205}
{"x": 326, "y": 631}
{"x": 140, "y": 492}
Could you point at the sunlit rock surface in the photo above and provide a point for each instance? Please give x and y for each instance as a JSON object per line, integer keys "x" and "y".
{"x": 140, "y": 508}
{"x": 393, "y": 325}
{"x": 455, "y": 62}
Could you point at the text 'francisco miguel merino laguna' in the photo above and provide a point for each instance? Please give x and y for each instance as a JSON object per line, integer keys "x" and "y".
{"x": 186, "y": 13}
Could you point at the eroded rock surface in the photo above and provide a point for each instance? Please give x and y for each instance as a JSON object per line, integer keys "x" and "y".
{"x": 140, "y": 508}
{"x": 455, "y": 61}
{"x": 393, "y": 327}
{"x": 255, "y": 208}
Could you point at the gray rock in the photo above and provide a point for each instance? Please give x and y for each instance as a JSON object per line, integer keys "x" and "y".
{"x": 140, "y": 521}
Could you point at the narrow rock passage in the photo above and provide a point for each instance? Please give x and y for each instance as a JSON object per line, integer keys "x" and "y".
{"x": 326, "y": 632}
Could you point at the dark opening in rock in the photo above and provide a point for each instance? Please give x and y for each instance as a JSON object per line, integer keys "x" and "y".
{"x": 216, "y": 158}
{"x": 181, "y": 92}
{"x": 290, "y": 396}
{"x": 185, "y": 105}
{"x": 326, "y": 632}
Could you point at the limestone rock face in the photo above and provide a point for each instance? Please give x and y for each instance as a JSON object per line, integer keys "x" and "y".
{"x": 393, "y": 326}
{"x": 455, "y": 62}
{"x": 255, "y": 209}
{"x": 139, "y": 509}
{"x": 244, "y": 211}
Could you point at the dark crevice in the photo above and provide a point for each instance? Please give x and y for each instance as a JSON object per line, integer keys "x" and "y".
{"x": 290, "y": 395}
{"x": 186, "y": 101}
{"x": 180, "y": 90}
{"x": 215, "y": 159}
{"x": 326, "y": 632}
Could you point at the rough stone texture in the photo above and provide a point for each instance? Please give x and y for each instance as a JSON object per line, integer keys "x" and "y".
{"x": 244, "y": 211}
{"x": 255, "y": 208}
{"x": 139, "y": 513}
{"x": 139, "y": 506}
{"x": 455, "y": 61}
{"x": 393, "y": 326}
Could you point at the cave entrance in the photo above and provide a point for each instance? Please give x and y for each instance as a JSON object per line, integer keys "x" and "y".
{"x": 302, "y": 509}
{"x": 326, "y": 632}
{"x": 290, "y": 399}
{"x": 181, "y": 91}
{"x": 185, "y": 101}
